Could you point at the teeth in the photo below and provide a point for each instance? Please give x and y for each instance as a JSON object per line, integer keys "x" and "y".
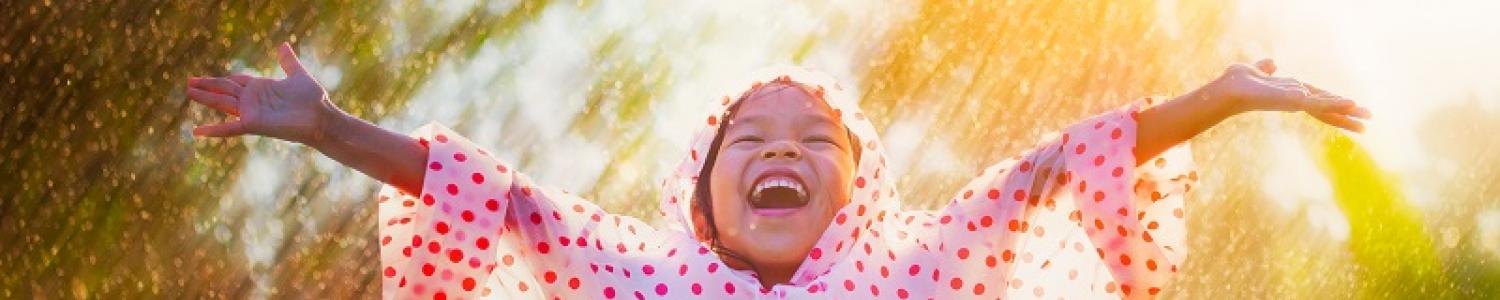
{"x": 779, "y": 182}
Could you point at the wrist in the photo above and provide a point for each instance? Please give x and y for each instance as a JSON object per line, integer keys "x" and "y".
{"x": 1217, "y": 98}
{"x": 327, "y": 123}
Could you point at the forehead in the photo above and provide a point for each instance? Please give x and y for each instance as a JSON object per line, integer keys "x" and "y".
{"x": 784, "y": 101}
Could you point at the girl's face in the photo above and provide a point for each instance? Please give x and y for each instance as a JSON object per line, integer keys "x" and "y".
{"x": 782, "y": 172}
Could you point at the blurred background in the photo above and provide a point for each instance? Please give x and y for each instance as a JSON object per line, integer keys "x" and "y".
{"x": 106, "y": 194}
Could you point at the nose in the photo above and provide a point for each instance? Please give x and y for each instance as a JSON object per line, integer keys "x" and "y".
{"x": 782, "y": 149}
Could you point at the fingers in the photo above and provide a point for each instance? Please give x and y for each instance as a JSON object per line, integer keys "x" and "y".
{"x": 217, "y": 101}
{"x": 288, "y": 59}
{"x": 217, "y": 85}
{"x": 1329, "y": 102}
{"x": 1340, "y": 121}
{"x": 241, "y": 78}
{"x": 1358, "y": 112}
{"x": 226, "y": 129}
{"x": 1267, "y": 66}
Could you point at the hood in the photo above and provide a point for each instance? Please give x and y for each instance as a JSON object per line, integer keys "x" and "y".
{"x": 873, "y": 193}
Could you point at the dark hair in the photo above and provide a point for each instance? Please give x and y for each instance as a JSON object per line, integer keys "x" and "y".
{"x": 703, "y": 196}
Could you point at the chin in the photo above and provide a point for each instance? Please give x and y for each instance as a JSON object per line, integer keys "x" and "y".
{"x": 779, "y": 246}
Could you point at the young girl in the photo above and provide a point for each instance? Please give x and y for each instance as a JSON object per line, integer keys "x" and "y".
{"x": 784, "y": 194}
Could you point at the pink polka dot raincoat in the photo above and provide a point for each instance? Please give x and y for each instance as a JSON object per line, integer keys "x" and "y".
{"x": 1073, "y": 217}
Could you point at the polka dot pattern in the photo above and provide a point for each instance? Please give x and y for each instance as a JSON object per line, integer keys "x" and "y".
{"x": 1072, "y": 218}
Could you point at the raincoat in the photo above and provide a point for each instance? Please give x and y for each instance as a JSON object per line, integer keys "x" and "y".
{"x": 1073, "y": 217}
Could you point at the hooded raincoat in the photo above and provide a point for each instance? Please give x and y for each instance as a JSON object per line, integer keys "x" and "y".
{"x": 1074, "y": 217}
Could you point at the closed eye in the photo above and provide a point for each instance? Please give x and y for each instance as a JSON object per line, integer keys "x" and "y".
{"x": 748, "y": 138}
{"x": 820, "y": 140}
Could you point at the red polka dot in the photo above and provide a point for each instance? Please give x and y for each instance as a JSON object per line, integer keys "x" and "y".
{"x": 460, "y": 157}
{"x": 455, "y": 255}
{"x": 452, "y": 189}
{"x": 477, "y": 177}
{"x": 492, "y": 205}
{"x": 542, "y": 247}
{"x": 661, "y": 289}
{"x": 956, "y": 283}
{"x": 729, "y": 288}
{"x": 482, "y": 243}
{"x": 469, "y": 284}
{"x": 390, "y": 272}
{"x": 435, "y": 166}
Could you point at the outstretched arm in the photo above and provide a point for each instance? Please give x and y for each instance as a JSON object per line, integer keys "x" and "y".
{"x": 1240, "y": 89}
{"x": 297, "y": 109}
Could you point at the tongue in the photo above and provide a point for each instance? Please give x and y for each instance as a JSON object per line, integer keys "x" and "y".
{"x": 778, "y": 197}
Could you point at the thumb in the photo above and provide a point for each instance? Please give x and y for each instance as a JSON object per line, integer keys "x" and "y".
{"x": 289, "y": 62}
{"x": 1266, "y": 65}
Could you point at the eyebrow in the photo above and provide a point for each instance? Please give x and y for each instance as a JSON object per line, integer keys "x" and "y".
{"x": 809, "y": 119}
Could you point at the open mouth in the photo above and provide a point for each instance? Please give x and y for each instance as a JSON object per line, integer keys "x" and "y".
{"x": 778, "y": 192}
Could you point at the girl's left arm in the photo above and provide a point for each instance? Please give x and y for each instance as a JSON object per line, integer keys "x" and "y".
{"x": 1240, "y": 89}
{"x": 1098, "y": 210}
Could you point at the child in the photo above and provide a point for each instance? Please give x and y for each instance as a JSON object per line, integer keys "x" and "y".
{"x": 784, "y": 194}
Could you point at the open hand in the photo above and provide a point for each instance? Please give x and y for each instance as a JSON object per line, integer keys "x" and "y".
{"x": 1252, "y": 88}
{"x": 291, "y": 108}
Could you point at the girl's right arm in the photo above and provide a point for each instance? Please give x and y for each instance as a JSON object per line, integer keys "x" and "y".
{"x": 463, "y": 217}
{"x": 297, "y": 109}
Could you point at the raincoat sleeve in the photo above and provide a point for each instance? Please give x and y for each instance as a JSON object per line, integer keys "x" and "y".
{"x": 478, "y": 228}
{"x": 1075, "y": 212}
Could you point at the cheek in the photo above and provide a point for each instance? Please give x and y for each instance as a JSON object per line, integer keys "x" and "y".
{"x": 724, "y": 186}
{"x": 837, "y": 178}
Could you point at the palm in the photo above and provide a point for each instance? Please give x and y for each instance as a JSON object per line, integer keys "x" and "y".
{"x": 286, "y": 108}
{"x": 1253, "y": 88}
